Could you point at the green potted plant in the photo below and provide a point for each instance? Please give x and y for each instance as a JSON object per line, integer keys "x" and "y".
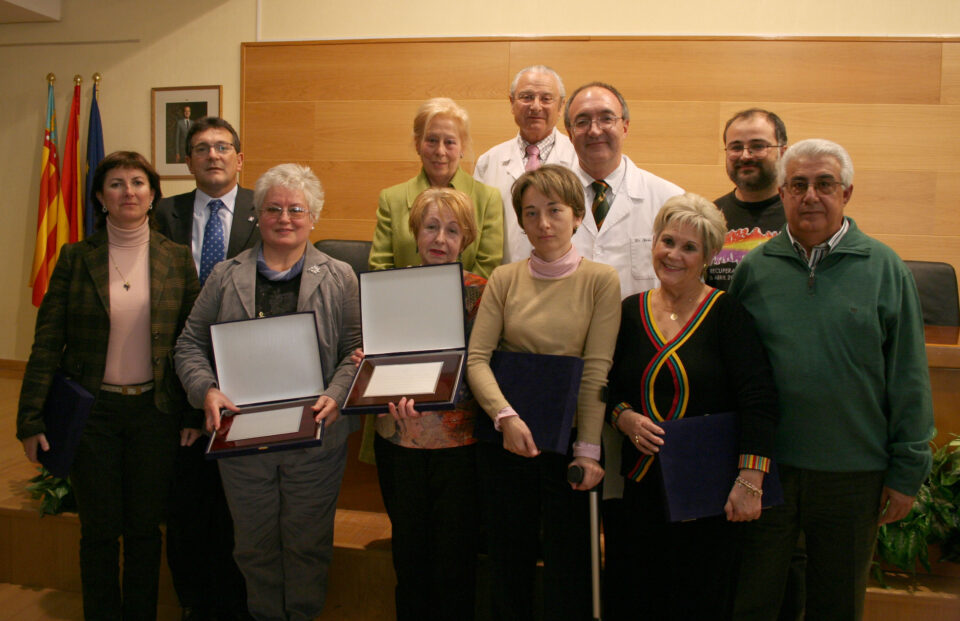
{"x": 55, "y": 494}
{"x": 933, "y": 520}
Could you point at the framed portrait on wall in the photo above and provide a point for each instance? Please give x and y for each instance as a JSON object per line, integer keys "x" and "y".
{"x": 173, "y": 110}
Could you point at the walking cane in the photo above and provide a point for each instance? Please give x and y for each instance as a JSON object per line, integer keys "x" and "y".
{"x": 575, "y": 475}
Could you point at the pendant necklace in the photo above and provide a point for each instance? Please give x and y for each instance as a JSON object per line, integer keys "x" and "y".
{"x": 126, "y": 283}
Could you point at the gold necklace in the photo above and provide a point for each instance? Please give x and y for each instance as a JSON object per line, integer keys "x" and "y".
{"x": 673, "y": 314}
{"x": 126, "y": 283}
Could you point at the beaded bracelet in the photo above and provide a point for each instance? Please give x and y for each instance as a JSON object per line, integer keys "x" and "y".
{"x": 750, "y": 487}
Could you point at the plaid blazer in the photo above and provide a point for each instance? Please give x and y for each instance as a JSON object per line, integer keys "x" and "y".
{"x": 73, "y": 325}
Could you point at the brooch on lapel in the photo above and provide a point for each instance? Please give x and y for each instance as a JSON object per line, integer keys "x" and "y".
{"x": 314, "y": 269}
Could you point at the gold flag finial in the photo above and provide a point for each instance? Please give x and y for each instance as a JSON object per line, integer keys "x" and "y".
{"x": 51, "y": 78}
{"x": 77, "y": 79}
{"x": 97, "y": 77}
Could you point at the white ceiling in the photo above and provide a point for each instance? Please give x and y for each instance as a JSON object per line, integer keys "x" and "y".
{"x": 21, "y": 11}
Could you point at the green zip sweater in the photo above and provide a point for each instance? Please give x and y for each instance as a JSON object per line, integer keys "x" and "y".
{"x": 846, "y": 344}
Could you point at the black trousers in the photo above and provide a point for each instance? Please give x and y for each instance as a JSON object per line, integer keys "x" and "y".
{"x": 431, "y": 498}
{"x": 677, "y": 571}
{"x": 200, "y": 537}
{"x": 121, "y": 477}
{"x": 529, "y": 509}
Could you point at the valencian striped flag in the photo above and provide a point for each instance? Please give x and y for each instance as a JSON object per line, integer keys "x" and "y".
{"x": 70, "y": 181}
{"x": 50, "y": 237}
{"x": 94, "y": 156}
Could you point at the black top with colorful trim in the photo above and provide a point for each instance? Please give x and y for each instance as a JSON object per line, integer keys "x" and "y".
{"x": 716, "y": 363}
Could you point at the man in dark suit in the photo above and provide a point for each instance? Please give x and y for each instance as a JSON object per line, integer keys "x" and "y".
{"x": 183, "y": 128}
{"x": 217, "y": 221}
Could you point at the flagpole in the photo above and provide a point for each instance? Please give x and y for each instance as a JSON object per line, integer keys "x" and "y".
{"x": 70, "y": 178}
{"x": 50, "y": 207}
{"x": 94, "y": 156}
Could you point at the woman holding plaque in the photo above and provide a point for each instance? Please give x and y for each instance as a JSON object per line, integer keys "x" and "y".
{"x": 283, "y": 503}
{"x": 426, "y": 462}
{"x": 555, "y": 302}
{"x": 441, "y": 132}
{"x": 114, "y": 307}
{"x": 686, "y": 349}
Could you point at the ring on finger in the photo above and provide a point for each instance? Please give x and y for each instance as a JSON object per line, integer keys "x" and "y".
{"x": 636, "y": 438}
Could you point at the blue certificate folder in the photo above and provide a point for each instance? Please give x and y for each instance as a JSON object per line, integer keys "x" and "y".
{"x": 64, "y": 415}
{"x": 543, "y": 390}
{"x": 698, "y": 465}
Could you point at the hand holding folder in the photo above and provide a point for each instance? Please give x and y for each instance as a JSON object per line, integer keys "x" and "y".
{"x": 543, "y": 390}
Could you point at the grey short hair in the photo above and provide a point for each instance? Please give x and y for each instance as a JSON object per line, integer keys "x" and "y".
{"x": 537, "y": 69}
{"x": 292, "y": 177}
{"x": 625, "y": 114}
{"x": 817, "y": 148}
{"x": 693, "y": 210}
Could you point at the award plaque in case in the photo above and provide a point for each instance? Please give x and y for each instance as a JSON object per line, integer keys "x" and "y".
{"x": 414, "y": 339}
{"x": 270, "y": 368}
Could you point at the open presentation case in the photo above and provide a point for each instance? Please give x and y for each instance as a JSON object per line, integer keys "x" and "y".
{"x": 270, "y": 368}
{"x": 414, "y": 339}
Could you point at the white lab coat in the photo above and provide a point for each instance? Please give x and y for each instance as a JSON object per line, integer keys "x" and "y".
{"x": 500, "y": 167}
{"x": 626, "y": 239}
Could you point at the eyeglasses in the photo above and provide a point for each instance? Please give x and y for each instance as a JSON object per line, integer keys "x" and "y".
{"x": 204, "y": 148}
{"x": 294, "y": 213}
{"x": 528, "y": 98}
{"x": 757, "y": 149}
{"x": 823, "y": 187}
{"x": 604, "y": 122}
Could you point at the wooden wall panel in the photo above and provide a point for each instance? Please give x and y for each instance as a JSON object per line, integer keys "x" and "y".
{"x": 896, "y": 137}
{"x": 950, "y": 82}
{"x": 746, "y": 70}
{"x": 379, "y": 71}
{"x": 346, "y": 109}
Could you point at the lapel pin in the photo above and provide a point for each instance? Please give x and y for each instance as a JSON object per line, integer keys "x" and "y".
{"x": 314, "y": 269}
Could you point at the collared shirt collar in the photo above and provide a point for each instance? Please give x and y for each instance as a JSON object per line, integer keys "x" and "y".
{"x": 818, "y": 252}
{"x": 545, "y": 145}
{"x": 202, "y": 198}
{"x": 614, "y": 180}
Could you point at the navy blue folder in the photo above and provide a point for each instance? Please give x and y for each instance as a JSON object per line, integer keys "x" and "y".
{"x": 698, "y": 465}
{"x": 64, "y": 415}
{"x": 543, "y": 390}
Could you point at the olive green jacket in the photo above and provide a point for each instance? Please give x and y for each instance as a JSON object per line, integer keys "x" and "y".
{"x": 393, "y": 242}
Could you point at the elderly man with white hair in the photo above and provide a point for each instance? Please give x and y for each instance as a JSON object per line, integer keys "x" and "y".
{"x": 839, "y": 315}
{"x": 536, "y": 98}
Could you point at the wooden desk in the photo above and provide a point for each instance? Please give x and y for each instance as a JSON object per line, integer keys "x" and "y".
{"x": 943, "y": 356}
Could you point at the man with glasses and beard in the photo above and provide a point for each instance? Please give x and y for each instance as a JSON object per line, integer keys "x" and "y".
{"x": 753, "y": 141}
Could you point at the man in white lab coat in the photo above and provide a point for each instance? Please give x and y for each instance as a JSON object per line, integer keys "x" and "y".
{"x": 536, "y": 98}
{"x": 618, "y": 229}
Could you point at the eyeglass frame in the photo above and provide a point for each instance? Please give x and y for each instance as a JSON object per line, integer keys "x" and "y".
{"x": 604, "y": 122}
{"x": 789, "y": 186}
{"x": 546, "y": 99}
{"x": 752, "y": 151}
{"x": 203, "y": 148}
{"x": 275, "y": 211}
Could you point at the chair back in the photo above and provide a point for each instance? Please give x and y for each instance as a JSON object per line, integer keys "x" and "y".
{"x": 937, "y": 285}
{"x": 352, "y": 251}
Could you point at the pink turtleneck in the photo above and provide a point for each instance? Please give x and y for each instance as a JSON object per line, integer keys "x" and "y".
{"x": 558, "y": 268}
{"x": 128, "y": 350}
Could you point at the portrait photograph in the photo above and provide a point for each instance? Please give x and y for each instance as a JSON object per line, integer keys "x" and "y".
{"x": 173, "y": 111}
